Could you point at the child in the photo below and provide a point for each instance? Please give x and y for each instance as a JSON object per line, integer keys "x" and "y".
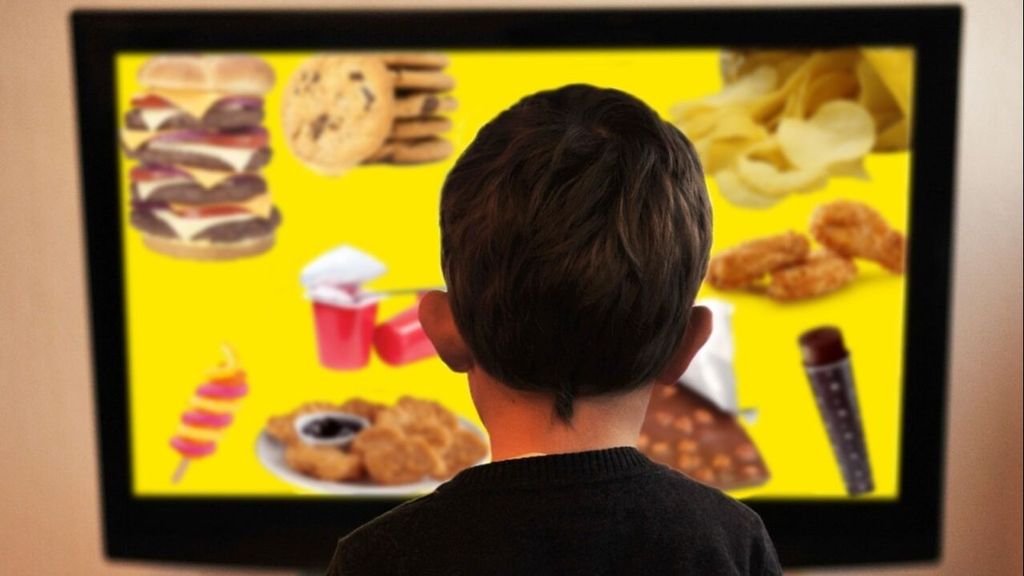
{"x": 575, "y": 232}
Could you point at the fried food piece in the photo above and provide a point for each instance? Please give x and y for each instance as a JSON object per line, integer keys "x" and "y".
{"x": 467, "y": 449}
{"x": 855, "y": 230}
{"x": 323, "y": 462}
{"x": 282, "y": 429}
{"x": 743, "y": 265}
{"x": 436, "y": 436}
{"x": 401, "y": 462}
{"x": 823, "y": 272}
{"x": 363, "y": 408}
{"x": 375, "y": 437}
{"x": 427, "y": 411}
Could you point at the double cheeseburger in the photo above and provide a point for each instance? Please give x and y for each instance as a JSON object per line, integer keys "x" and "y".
{"x": 197, "y": 134}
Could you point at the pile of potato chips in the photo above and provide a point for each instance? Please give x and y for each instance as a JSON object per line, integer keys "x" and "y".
{"x": 788, "y": 120}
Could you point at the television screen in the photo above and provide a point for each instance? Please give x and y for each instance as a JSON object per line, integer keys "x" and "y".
{"x": 276, "y": 219}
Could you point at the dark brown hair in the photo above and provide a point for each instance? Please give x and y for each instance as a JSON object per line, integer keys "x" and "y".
{"x": 575, "y": 232}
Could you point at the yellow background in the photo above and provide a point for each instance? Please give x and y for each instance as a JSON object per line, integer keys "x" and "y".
{"x": 179, "y": 311}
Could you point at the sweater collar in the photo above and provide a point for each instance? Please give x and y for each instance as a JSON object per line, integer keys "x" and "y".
{"x": 555, "y": 468}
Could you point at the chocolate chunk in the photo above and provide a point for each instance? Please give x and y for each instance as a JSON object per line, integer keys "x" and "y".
{"x": 316, "y": 77}
{"x": 317, "y": 126}
{"x": 355, "y": 76}
{"x": 429, "y": 105}
{"x": 369, "y": 97}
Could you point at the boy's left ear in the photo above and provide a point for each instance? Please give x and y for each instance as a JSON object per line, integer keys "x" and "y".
{"x": 438, "y": 323}
{"x": 698, "y": 330}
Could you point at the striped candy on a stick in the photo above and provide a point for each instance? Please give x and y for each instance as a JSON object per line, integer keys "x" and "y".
{"x": 211, "y": 410}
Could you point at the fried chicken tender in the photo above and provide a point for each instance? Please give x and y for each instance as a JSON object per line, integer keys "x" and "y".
{"x": 822, "y": 273}
{"x": 323, "y": 462}
{"x": 855, "y": 230}
{"x": 743, "y": 265}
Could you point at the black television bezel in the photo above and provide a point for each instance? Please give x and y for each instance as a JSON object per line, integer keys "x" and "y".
{"x": 302, "y": 532}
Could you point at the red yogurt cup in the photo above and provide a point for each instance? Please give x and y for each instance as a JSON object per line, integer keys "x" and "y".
{"x": 401, "y": 340}
{"x": 344, "y": 333}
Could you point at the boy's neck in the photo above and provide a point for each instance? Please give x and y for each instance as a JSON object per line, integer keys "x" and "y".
{"x": 523, "y": 423}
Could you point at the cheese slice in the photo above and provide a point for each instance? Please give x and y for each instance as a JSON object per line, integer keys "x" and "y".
{"x": 195, "y": 102}
{"x": 189, "y": 228}
{"x": 206, "y": 178}
{"x": 154, "y": 117}
{"x": 132, "y": 139}
{"x": 237, "y": 158}
{"x": 145, "y": 189}
{"x": 257, "y": 205}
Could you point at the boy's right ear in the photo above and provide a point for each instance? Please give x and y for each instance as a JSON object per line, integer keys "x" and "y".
{"x": 439, "y": 325}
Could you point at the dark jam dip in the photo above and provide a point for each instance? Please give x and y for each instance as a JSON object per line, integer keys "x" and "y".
{"x": 329, "y": 428}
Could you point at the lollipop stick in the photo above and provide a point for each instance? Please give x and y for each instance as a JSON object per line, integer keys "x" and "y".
{"x": 180, "y": 470}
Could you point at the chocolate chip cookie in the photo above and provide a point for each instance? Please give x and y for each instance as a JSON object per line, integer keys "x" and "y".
{"x": 338, "y": 110}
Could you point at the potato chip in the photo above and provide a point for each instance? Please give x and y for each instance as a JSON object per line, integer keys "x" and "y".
{"x": 774, "y": 181}
{"x": 827, "y": 87}
{"x": 841, "y": 130}
{"x": 735, "y": 191}
{"x": 787, "y": 120}
{"x": 738, "y": 63}
{"x": 850, "y": 169}
{"x": 876, "y": 97}
{"x": 895, "y": 66}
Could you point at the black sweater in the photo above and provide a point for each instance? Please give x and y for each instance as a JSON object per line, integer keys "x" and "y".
{"x": 602, "y": 512}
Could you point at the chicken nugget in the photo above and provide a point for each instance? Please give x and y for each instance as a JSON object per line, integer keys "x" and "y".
{"x": 436, "y": 436}
{"x": 323, "y": 462}
{"x": 855, "y": 230}
{"x": 745, "y": 264}
{"x": 376, "y": 437}
{"x": 363, "y": 408}
{"x": 823, "y": 272}
{"x": 423, "y": 411}
{"x": 408, "y": 460}
{"x": 282, "y": 428}
{"x": 467, "y": 449}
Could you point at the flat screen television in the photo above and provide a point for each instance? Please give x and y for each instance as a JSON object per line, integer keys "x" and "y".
{"x": 260, "y": 193}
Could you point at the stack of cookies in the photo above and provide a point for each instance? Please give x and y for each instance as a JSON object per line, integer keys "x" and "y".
{"x": 421, "y": 101}
{"x": 341, "y": 110}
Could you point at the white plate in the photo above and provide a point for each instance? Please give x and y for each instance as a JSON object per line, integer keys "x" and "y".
{"x": 271, "y": 454}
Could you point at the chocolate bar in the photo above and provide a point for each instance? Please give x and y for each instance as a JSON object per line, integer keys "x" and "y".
{"x": 827, "y": 364}
{"x": 687, "y": 432}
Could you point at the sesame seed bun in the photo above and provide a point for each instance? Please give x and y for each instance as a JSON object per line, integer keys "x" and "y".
{"x": 232, "y": 74}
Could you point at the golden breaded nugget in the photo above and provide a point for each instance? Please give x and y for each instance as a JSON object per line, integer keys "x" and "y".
{"x": 743, "y": 265}
{"x": 408, "y": 460}
{"x": 323, "y": 462}
{"x": 467, "y": 449}
{"x": 855, "y": 230}
{"x": 375, "y": 437}
{"x": 427, "y": 411}
{"x": 363, "y": 408}
{"x": 282, "y": 429}
{"x": 822, "y": 273}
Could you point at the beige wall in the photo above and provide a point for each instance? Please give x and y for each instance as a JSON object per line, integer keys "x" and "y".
{"x": 48, "y": 487}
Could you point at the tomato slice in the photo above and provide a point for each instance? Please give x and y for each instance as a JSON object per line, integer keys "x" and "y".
{"x": 255, "y": 139}
{"x": 150, "y": 101}
{"x": 208, "y": 211}
{"x": 149, "y": 174}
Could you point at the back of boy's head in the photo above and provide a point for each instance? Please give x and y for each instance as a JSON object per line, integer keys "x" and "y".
{"x": 575, "y": 232}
